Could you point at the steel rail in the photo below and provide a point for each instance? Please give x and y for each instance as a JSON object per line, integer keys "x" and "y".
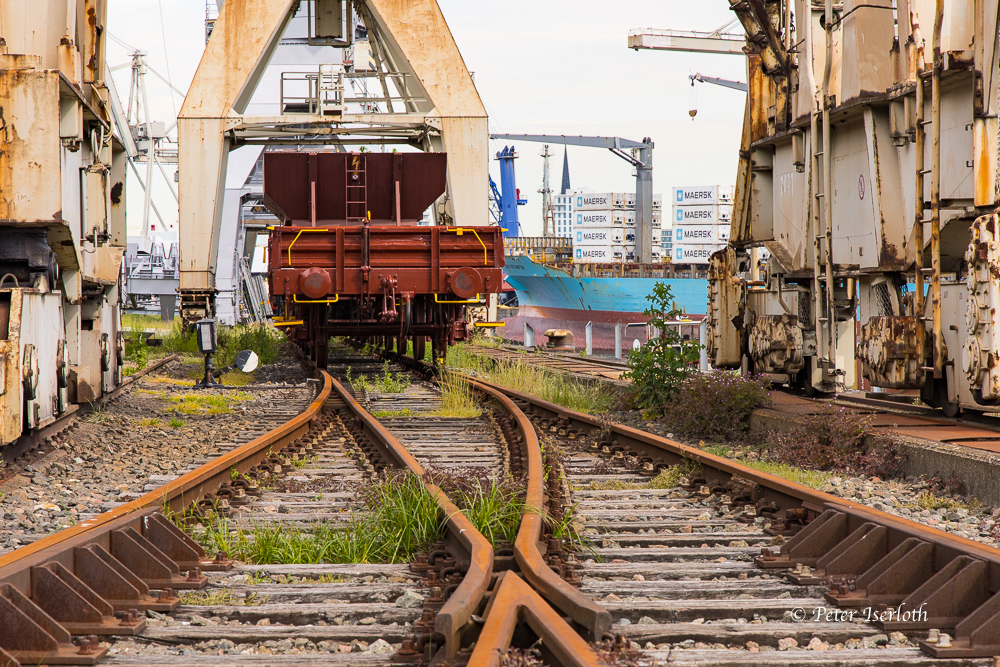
{"x": 957, "y": 578}
{"x": 792, "y": 493}
{"x": 28, "y": 442}
{"x": 516, "y": 599}
{"x": 76, "y": 579}
{"x": 175, "y": 494}
{"x": 465, "y": 600}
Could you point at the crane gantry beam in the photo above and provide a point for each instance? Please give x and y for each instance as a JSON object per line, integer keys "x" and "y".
{"x": 687, "y": 40}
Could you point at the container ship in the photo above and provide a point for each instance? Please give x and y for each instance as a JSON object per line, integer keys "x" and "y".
{"x": 586, "y": 271}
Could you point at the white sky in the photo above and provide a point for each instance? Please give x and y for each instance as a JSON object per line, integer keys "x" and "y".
{"x": 554, "y": 67}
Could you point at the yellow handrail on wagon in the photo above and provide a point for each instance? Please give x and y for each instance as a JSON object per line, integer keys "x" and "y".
{"x": 335, "y": 299}
{"x": 297, "y": 238}
{"x": 438, "y": 300}
{"x": 458, "y": 232}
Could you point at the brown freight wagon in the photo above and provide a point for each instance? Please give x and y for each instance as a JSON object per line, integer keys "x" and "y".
{"x": 349, "y": 258}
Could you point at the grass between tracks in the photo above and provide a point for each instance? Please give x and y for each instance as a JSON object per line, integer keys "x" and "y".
{"x": 401, "y": 520}
{"x": 522, "y": 376}
{"x": 457, "y": 398}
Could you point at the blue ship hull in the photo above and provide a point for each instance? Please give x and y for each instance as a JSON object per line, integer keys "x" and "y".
{"x": 543, "y": 287}
{"x": 551, "y": 298}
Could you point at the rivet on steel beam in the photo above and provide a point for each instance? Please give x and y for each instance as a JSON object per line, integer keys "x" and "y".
{"x": 194, "y": 574}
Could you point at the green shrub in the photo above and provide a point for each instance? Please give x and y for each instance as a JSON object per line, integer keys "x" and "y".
{"x": 136, "y": 352}
{"x": 837, "y": 439}
{"x": 716, "y": 406}
{"x": 658, "y": 368}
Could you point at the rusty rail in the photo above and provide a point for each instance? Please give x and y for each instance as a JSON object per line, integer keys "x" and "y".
{"x": 72, "y": 583}
{"x": 866, "y": 556}
{"x": 74, "y": 411}
{"x": 513, "y": 600}
{"x": 462, "y": 535}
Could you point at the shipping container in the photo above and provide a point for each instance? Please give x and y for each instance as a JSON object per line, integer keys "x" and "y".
{"x": 597, "y": 254}
{"x": 630, "y": 219}
{"x": 694, "y": 253}
{"x": 695, "y": 195}
{"x": 606, "y": 253}
{"x": 699, "y": 215}
{"x": 599, "y": 236}
{"x": 601, "y": 201}
{"x": 693, "y": 234}
{"x": 599, "y": 219}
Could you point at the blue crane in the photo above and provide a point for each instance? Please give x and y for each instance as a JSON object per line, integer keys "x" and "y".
{"x": 504, "y": 202}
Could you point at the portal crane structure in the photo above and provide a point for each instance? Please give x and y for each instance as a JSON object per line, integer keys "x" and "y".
{"x": 427, "y": 94}
{"x": 643, "y": 176}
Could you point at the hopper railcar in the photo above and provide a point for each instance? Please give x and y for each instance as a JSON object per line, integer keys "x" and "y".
{"x": 350, "y": 258}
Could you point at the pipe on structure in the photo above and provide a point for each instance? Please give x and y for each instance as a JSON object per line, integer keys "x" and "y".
{"x": 918, "y": 199}
{"x": 936, "y": 337}
{"x": 831, "y": 311}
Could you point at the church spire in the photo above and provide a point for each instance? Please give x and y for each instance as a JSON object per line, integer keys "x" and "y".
{"x": 565, "y": 175}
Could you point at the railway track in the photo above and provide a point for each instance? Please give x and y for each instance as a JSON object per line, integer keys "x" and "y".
{"x": 918, "y": 421}
{"x": 725, "y": 565}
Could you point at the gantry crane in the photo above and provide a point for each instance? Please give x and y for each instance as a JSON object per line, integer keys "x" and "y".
{"x": 643, "y": 177}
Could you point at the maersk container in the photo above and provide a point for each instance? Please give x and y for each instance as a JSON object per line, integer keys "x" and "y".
{"x": 598, "y": 219}
{"x": 697, "y": 215}
{"x": 702, "y": 233}
{"x": 599, "y": 236}
{"x": 601, "y": 201}
{"x": 630, "y": 219}
{"x": 597, "y": 254}
{"x": 694, "y": 253}
{"x": 695, "y": 195}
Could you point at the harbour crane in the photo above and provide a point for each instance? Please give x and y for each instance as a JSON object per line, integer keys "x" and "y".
{"x": 643, "y": 176}
{"x": 691, "y": 41}
{"x": 726, "y": 83}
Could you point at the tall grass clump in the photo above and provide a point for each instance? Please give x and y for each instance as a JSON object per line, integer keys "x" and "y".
{"x": 144, "y": 322}
{"x": 260, "y": 337}
{"x": 521, "y": 375}
{"x": 716, "y": 406}
{"x": 457, "y": 398}
{"x": 402, "y": 519}
{"x": 136, "y": 351}
{"x": 494, "y": 507}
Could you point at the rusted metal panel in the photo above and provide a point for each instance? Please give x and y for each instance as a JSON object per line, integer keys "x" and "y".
{"x": 11, "y": 400}
{"x": 30, "y": 178}
{"x": 345, "y": 178}
{"x": 887, "y": 350}
{"x": 776, "y": 344}
{"x": 94, "y": 20}
{"x": 980, "y": 354}
{"x": 868, "y": 33}
{"x": 726, "y": 299}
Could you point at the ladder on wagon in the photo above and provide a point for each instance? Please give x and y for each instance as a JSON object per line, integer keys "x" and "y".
{"x": 357, "y": 190}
